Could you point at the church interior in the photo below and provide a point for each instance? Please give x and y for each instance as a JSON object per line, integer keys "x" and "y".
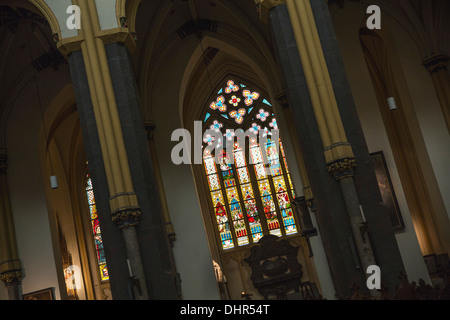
{"x": 93, "y": 205}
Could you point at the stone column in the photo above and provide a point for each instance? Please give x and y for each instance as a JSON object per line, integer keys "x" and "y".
{"x": 10, "y": 267}
{"x": 332, "y": 144}
{"x": 339, "y": 156}
{"x": 153, "y": 235}
{"x": 119, "y": 160}
{"x": 124, "y": 204}
{"x": 308, "y": 194}
{"x": 437, "y": 65}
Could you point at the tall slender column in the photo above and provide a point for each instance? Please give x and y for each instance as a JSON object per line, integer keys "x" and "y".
{"x": 315, "y": 77}
{"x": 437, "y": 65}
{"x": 123, "y": 200}
{"x": 119, "y": 160}
{"x": 123, "y": 203}
{"x": 153, "y": 235}
{"x": 10, "y": 267}
{"x": 341, "y": 162}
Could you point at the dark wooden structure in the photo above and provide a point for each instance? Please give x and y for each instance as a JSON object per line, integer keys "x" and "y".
{"x": 276, "y": 272}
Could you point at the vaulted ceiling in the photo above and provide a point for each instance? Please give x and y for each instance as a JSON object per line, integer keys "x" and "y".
{"x": 27, "y": 49}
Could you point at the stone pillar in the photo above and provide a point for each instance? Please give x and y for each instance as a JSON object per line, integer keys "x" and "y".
{"x": 153, "y": 235}
{"x": 333, "y": 145}
{"x": 119, "y": 160}
{"x": 10, "y": 267}
{"x": 437, "y": 65}
{"x": 339, "y": 156}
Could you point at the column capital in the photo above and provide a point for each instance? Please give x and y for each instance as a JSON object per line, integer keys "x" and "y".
{"x": 117, "y": 35}
{"x": 436, "y": 62}
{"x": 342, "y": 168}
{"x": 121, "y": 32}
{"x": 263, "y": 7}
{"x": 11, "y": 278}
{"x": 126, "y": 217}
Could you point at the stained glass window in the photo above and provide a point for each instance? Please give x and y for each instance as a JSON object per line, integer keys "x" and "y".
{"x": 250, "y": 186}
{"x": 97, "y": 233}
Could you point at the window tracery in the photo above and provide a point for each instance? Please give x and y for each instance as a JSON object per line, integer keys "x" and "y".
{"x": 250, "y": 188}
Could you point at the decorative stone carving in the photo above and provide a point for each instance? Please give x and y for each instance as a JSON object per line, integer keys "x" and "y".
{"x": 342, "y": 168}
{"x": 126, "y": 217}
{"x": 11, "y": 278}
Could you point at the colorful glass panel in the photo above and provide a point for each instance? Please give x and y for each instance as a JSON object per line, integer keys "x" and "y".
{"x": 285, "y": 165}
{"x": 243, "y": 175}
{"x": 237, "y": 216}
{"x": 210, "y": 165}
{"x": 285, "y": 205}
{"x": 242, "y": 204}
{"x": 227, "y": 171}
{"x": 214, "y": 183}
{"x": 267, "y": 102}
{"x": 271, "y": 150}
{"x": 256, "y": 155}
{"x": 239, "y": 159}
{"x": 222, "y": 220}
{"x": 96, "y": 231}
{"x": 269, "y": 207}
{"x": 260, "y": 171}
{"x": 233, "y": 201}
{"x": 279, "y": 183}
{"x": 93, "y": 211}
{"x": 282, "y": 149}
{"x": 104, "y": 275}
{"x": 90, "y": 196}
{"x": 291, "y": 186}
{"x": 226, "y": 236}
{"x": 275, "y": 168}
{"x": 247, "y": 191}
{"x": 217, "y": 198}
{"x": 252, "y": 212}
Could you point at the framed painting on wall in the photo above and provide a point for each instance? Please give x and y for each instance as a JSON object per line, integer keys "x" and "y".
{"x": 45, "y": 294}
{"x": 387, "y": 190}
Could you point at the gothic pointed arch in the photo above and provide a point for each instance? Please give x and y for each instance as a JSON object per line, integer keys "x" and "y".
{"x": 49, "y": 15}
